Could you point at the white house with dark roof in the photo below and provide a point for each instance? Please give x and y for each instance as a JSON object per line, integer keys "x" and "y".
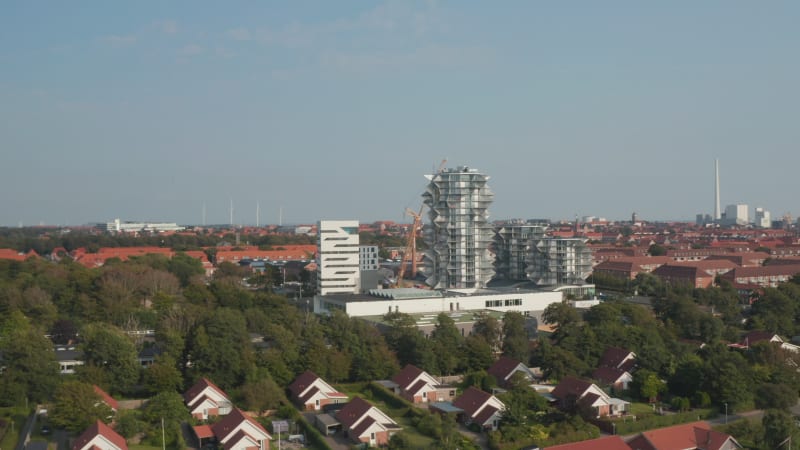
{"x": 312, "y": 392}
{"x": 205, "y": 399}
{"x": 481, "y": 408}
{"x": 418, "y": 386}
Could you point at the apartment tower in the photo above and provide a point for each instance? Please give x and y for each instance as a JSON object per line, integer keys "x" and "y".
{"x": 338, "y": 260}
{"x": 511, "y": 244}
{"x": 459, "y": 233}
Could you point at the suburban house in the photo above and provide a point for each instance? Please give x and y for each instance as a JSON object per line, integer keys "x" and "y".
{"x": 236, "y": 431}
{"x": 107, "y": 399}
{"x": 618, "y": 358}
{"x": 480, "y": 407}
{"x": 418, "y": 386}
{"x": 572, "y": 392}
{"x": 617, "y": 379}
{"x": 205, "y": 400}
{"x": 100, "y": 437}
{"x": 691, "y": 436}
{"x": 364, "y": 423}
{"x": 68, "y": 357}
{"x": 312, "y": 392}
{"x": 756, "y": 336}
{"x": 603, "y": 443}
{"x": 504, "y": 368}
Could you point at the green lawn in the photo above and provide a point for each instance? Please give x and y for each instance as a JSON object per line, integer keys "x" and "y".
{"x": 17, "y": 415}
{"x": 143, "y": 447}
{"x": 639, "y": 409}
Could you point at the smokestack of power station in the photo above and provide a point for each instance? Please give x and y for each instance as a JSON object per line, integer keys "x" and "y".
{"x": 717, "y": 215}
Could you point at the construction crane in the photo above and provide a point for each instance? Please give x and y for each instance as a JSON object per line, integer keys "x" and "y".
{"x": 410, "y": 254}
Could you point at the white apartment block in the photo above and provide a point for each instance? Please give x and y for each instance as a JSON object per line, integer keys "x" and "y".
{"x": 338, "y": 260}
{"x": 737, "y": 214}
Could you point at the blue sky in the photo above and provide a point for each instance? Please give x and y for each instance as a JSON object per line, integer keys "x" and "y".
{"x": 147, "y": 110}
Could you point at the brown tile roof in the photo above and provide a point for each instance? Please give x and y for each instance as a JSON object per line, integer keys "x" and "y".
{"x": 603, "y": 443}
{"x": 607, "y": 375}
{"x": 362, "y": 427}
{"x": 614, "y": 357}
{"x": 224, "y": 427}
{"x": 408, "y": 374}
{"x": 571, "y": 386}
{"x": 485, "y": 414}
{"x": 303, "y": 381}
{"x": 353, "y": 411}
{"x": 99, "y": 428}
{"x": 471, "y": 399}
{"x": 502, "y": 368}
{"x": 198, "y": 387}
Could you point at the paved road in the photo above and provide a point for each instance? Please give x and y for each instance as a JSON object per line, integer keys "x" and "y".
{"x": 25, "y": 432}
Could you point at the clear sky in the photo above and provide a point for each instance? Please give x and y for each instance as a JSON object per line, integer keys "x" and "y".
{"x": 146, "y": 110}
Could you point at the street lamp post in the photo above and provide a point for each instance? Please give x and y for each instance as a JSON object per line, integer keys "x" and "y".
{"x": 726, "y": 413}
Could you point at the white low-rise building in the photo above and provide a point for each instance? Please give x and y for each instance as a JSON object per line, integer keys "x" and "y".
{"x": 378, "y": 302}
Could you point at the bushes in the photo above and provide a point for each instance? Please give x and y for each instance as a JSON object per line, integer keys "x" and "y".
{"x": 656, "y": 421}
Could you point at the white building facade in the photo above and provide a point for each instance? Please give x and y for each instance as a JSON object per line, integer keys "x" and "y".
{"x": 762, "y": 219}
{"x": 459, "y": 233}
{"x": 338, "y": 257}
{"x": 419, "y": 301}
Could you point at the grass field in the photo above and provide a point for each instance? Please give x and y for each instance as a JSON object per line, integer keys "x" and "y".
{"x": 18, "y": 416}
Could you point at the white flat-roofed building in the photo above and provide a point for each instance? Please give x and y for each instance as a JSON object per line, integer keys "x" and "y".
{"x": 118, "y": 226}
{"x": 338, "y": 257}
{"x": 421, "y": 301}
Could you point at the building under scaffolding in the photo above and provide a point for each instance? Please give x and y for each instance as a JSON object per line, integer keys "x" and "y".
{"x": 511, "y": 245}
{"x": 556, "y": 261}
{"x": 459, "y": 233}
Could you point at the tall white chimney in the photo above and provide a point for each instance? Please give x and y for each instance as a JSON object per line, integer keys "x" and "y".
{"x": 717, "y": 215}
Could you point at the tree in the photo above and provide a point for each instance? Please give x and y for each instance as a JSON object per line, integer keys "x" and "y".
{"x": 31, "y": 370}
{"x": 775, "y": 396}
{"x": 648, "y": 384}
{"x": 109, "y": 349}
{"x": 489, "y": 328}
{"x": 657, "y": 250}
{"x": 515, "y": 337}
{"x": 169, "y": 407}
{"x": 778, "y": 426}
{"x": 447, "y": 342}
{"x": 76, "y": 406}
{"x": 262, "y": 395}
{"x": 565, "y": 318}
{"x": 220, "y": 349}
{"x": 163, "y": 375}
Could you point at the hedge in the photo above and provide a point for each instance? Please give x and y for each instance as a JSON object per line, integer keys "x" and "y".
{"x": 315, "y": 438}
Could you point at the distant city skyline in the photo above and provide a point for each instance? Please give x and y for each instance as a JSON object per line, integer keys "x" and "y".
{"x": 338, "y": 110}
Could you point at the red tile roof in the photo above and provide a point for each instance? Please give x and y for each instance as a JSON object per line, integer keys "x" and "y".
{"x": 109, "y": 400}
{"x": 203, "y": 431}
{"x": 603, "y": 443}
{"x": 99, "y": 428}
{"x": 7, "y": 253}
{"x": 695, "y": 435}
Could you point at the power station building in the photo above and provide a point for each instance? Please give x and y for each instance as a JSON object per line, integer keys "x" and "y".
{"x": 459, "y": 233}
